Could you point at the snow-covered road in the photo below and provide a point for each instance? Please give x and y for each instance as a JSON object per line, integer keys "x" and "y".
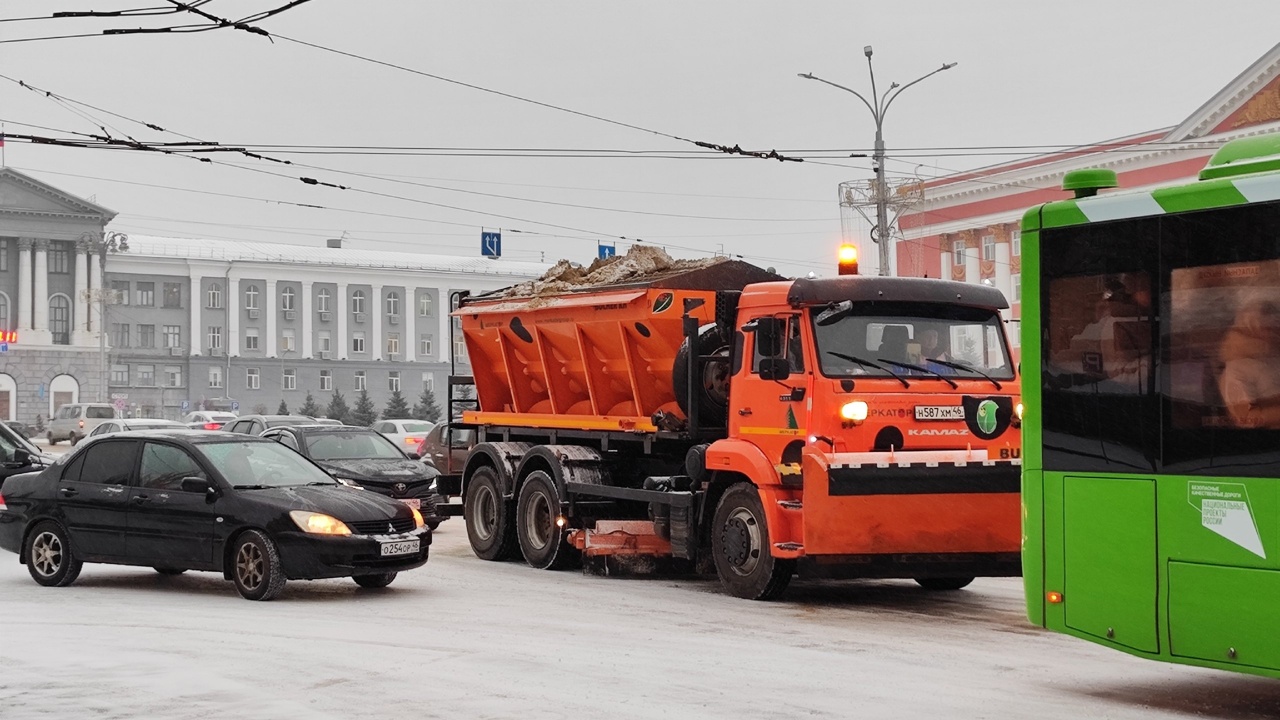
{"x": 463, "y": 639}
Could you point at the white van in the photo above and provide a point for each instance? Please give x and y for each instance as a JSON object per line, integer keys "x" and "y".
{"x": 76, "y": 420}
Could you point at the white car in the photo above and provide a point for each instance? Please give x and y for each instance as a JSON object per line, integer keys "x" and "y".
{"x": 75, "y": 421}
{"x": 406, "y": 434}
{"x": 126, "y": 424}
{"x": 207, "y": 419}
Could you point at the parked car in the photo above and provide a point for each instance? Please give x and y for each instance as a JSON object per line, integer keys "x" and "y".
{"x": 23, "y": 429}
{"x": 208, "y": 419}
{"x": 18, "y": 455}
{"x": 256, "y": 424}
{"x": 127, "y": 424}
{"x": 183, "y": 500}
{"x": 446, "y": 447}
{"x": 74, "y": 421}
{"x": 408, "y": 434}
{"x": 326, "y": 421}
{"x": 363, "y": 457}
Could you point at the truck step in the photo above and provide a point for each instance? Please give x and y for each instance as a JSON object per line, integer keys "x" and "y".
{"x": 790, "y": 504}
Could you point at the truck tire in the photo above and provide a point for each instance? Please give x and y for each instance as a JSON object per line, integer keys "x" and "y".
{"x": 713, "y": 390}
{"x": 943, "y": 583}
{"x": 740, "y": 547}
{"x": 542, "y": 542}
{"x": 488, "y": 517}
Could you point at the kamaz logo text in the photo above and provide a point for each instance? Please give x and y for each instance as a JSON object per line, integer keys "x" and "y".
{"x": 936, "y": 433}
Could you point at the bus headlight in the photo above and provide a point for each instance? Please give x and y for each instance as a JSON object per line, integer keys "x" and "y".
{"x": 855, "y": 411}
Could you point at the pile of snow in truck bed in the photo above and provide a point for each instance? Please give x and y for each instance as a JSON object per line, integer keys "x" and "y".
{"x": 642, "y": 262}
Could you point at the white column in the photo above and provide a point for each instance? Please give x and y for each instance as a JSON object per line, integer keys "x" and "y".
{"x": 1003, "y": 283}
{"x": 306, "y": 320}
{"x": 233, "y": 322}
{"x": 409, "y": 345}
{"x": 342, "y": 301}
{"x": 442, "y": 338}
{"x": 25, "y": 302}
{"x": 82, "y": 326}
{"x": 197, "y": 302}
{"x": 95, "y": 283}
{"x": 972, "y": 268}
{"x": 376, "y": 315}
{"x": 40, "y": 302}
{"x": 944, "y": 267}
{"x": 269, "y": 307}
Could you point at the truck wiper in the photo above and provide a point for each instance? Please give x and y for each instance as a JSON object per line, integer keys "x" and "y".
{"x": 868, "y": 363}
{"x": 962, "y": 366}
{"x": 923, "y": 369}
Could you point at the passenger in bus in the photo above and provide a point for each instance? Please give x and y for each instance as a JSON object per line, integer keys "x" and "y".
{"x": 1250, "y": 361}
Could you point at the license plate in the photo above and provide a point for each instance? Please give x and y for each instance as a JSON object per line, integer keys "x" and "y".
{"x": 414, "y": 503}
{"x": 939, "y": 412}
{"x": 404, "y": 547}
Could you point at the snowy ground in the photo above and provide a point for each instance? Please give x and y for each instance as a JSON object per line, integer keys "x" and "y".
{"x": 463, "y": 639}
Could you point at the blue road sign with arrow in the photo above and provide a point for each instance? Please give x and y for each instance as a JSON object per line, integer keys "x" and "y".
{"x": 606, "y": 251}
{"x": 491, "y": 244}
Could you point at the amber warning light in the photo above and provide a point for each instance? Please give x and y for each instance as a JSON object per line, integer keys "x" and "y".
{"x": 1053, "y": 596}
{"x": 848, "y": 258}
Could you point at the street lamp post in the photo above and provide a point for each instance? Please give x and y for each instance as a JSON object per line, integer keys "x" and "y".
{"x": 111, "y": 242}
{"x": 879, "y": 105}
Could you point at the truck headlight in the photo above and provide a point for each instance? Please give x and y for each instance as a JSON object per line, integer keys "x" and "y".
{"x": 855, "y": 411}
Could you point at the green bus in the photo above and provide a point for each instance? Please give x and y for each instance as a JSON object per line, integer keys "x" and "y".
{"x": 1151, "y": 437}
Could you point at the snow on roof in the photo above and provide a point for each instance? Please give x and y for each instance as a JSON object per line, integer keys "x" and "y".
{"x": 237, "y": 250}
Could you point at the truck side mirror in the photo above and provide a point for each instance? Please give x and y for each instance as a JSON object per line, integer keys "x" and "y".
{"x": 774, "y": 369}
{"x": 768, "y": 332}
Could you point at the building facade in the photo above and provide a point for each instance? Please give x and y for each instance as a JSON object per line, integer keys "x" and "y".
{"x": 195, "y": 324}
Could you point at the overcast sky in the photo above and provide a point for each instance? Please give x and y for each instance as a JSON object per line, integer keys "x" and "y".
{"x": 1029, "y": 73}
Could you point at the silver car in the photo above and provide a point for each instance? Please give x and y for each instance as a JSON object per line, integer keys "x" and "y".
{"x": 126, "y": 424}
{"x": 74, "y": 421}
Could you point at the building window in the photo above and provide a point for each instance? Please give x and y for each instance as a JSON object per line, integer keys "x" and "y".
{"x": 146, "y": 375}
{"x": 357, "y": 301}
{"x": 393, "y": 303}
{"x": 4, "y": 255}
{"x": 172, "y": 376}
{"x": 146, "y": 336}
{"x": 1014, "y": 329}
{"x": 251, "y": 297}
{"x": 1015, "y": 243}
{"x": 424, "y": 305}
{"x": 119, "y": 374}
{"x": 286, "y": 298}
{"x": 59, "y": 258}
{"x": 326, "y": 379}
{"x": 60, "y": 319}
{"x": 988, "y": 247}
{"x": 322, "y": 300}
{"x": 459, "y": 349}
{"x": 290, "y": 379}
{"x": 4, "y": 312}
{"x": 121, "y": 288}
{"x": 429, "y": 381}
{"x": 172, "y": 336}
{"x": 424, "y": 345}
{"x": 251, "y": 338}
{"x": 286, "y": 340}
{"x": 1015, "y": 280}
{"x": 958, "y": 251}
{"x": 393, "y": 381}
{"x": 215, "y": 337}
{"x": 251, "y": 379}
{"x": 215, "y": 377}
{"x": 120, "y": 335}
{"x": 326, "y": 341}
{"x": 172, "y": 295}
{"x": 214, "y": 297}
{"x": 146, "y": 293}
{"x": 357, "y": 342}
{"x": 393, "y": 343}
{"x": 360, "y": 380}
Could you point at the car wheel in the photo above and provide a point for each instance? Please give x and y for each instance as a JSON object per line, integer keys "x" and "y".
{"x": 73, "y": 439}
{"x": 542, "y": 541}
{"x": 943, "y": 583}
{"x": 490, "y": 525}
{"x": 49, "y": 436}
{"x": 373, "y": 582}
{"x": 49, "y": 557}
{"x": 740, "y": 547}
{"x": 170, "y": 571}
{"x": 256, "y": 567}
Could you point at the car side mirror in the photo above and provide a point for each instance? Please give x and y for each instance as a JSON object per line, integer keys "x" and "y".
{"x": 774, "y": 369}
{"x": 197, "y": 485}
{"x": 413, "y": 455}
{"x": 21, "y": 458}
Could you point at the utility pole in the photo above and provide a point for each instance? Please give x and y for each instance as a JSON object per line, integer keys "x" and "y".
{"x": 111, "y": 242}
{"x": 879, "y": 105}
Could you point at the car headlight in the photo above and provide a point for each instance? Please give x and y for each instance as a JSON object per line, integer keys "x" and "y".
{"x": 418, "y": 522}
{"x": 855, "y": 411}
{"x": 318, "y": 523}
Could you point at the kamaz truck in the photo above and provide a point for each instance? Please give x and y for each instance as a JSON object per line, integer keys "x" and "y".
{"x": 719, "y": 414}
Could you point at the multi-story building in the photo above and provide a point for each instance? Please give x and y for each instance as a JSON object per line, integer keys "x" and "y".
{"x": 226, "y": 324}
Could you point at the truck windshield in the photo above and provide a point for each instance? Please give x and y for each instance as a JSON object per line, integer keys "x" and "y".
{"x": 941, "y": 339}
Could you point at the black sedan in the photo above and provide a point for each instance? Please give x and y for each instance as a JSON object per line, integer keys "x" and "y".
{"x": 364, "y": 457}
{"x": 190, "y": 500}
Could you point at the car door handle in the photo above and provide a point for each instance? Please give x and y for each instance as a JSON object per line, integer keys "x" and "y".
{"x": 69, "y": 492}
{"x": 140, "y": 499}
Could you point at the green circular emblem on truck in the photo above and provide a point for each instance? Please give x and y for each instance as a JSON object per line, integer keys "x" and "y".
{"x": 987, "y": 416}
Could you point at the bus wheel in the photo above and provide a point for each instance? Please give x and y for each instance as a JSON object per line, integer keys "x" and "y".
{"x": 542, "y": 541}
{"x": 488, "y": 517}
{"x": 943, "y": 583}
{"x": 740, "y": 547}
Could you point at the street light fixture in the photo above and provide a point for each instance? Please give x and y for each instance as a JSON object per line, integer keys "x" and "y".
{"x": 111, "y": 242}
{"x": 879, "y": 105}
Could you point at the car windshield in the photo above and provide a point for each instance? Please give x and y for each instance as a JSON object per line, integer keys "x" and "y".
{"x": 262, "y": 465}
{"x": 99, "y": 413}
{"x": 416, "y": 427}
{"x": 352, "y": 445}
{"x": 286, "y": 422}
{"x": 919, "y": 340}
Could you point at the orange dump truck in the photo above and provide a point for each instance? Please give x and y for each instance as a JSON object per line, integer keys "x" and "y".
{"x": 843, "y": 427}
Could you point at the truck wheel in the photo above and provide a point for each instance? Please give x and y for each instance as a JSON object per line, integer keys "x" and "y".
{"x": 740, "y": 547}
{"x": 542, "y": 541}
{"x": 713, "y": 386}
{"x": 943, "y": 583}
{"x": 488, "y": 517}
